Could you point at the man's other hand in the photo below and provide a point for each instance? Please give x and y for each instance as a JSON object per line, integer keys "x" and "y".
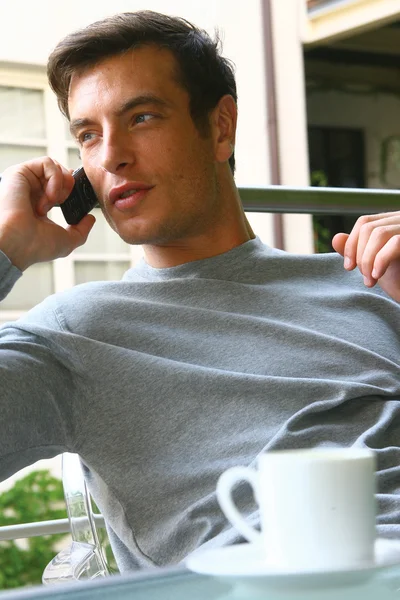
{"x": 374, "y": 247}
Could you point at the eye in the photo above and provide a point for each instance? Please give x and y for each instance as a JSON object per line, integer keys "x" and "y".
{"x": 142, "y": 118}
{"x": 85, "y": 137}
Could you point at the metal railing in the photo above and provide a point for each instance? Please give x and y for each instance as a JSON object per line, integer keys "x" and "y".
{"x": 319, "y": 200}
{"x": 273, "y": 199}
{"x": 27, "y": 530}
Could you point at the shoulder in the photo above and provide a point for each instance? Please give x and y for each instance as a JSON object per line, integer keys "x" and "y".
{"x": 323, "y": 273}
{"x": 65, "y": 310}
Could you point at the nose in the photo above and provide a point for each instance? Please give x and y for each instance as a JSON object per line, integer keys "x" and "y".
{"x": 117, "y": 152}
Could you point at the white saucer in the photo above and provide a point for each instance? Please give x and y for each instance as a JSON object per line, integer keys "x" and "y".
{"x": 243, "y": 563}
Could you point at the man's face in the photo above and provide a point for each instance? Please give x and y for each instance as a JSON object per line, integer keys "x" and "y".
{"x": 154, "y": 173}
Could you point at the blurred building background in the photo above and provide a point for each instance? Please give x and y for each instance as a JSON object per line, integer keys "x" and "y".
{"x": 319, "y": 102}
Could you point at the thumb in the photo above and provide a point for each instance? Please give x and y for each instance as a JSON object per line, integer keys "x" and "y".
{"x": 79, "y": 233}
{"x": 339, "y": 242}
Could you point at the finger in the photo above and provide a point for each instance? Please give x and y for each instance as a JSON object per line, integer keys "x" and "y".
{"x": 78, "y": 234}
{"x": 64, "y": 169}
{"x": 373, "y": 235}
{"x": 350, "y": 250}
{"x": 370, "y": 243}
{"x": 339, "y": 242}
{"x": 47, "y": 173}
{"x": 58, "y": 184}
{"x": 389, "y": 252}
{"x": 54, "y": 178}
{"x": 378, "y": 235}
{"x": 68, "y": 182}
{"x": 354, "y": 246}
{"x": 363, "y": 258}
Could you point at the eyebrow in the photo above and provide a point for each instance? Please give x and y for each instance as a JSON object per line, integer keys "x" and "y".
{"x": 141, "y": 100}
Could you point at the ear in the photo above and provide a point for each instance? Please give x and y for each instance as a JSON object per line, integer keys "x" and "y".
{"x": 224, "y": 119}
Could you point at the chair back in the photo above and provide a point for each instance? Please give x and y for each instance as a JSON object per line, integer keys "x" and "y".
{"x": 85, "y": 558}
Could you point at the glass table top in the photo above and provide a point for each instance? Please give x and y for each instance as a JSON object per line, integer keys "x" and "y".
{"x": 181, "y": 584}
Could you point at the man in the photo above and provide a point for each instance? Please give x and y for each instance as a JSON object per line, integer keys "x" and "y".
{"x": 215, "y": 347}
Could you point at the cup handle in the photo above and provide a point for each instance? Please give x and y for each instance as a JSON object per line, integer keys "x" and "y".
{"x": 225, "y": 484}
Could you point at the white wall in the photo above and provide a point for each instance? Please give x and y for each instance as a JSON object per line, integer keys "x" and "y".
{"x": 378, "y": 115}
{"x": 29, "y": 40}
{"x": 286, "y": 17}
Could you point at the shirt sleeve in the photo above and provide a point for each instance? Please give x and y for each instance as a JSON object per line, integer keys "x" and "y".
{"x": 8, "y": 275}
{"x": 39, "y": 379}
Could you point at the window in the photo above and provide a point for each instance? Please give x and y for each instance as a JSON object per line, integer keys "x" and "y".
{"x": 23, "y": 136}
{"x": 22, "y": 128}
{"x": 22, "y": 113}
{"x": 32, "y": 126}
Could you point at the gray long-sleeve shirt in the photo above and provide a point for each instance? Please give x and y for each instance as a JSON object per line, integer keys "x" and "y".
{"x": 163, "y": 380}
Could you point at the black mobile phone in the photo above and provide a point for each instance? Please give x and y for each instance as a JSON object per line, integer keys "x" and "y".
{"x": 81, "y": 200}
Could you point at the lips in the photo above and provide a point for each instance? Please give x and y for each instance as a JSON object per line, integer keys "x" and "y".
{"x": 126, "y": 197}
{"x": 130, "y": 190}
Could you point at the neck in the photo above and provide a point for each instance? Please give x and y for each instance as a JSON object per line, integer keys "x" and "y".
{"x": 231, "y": 229}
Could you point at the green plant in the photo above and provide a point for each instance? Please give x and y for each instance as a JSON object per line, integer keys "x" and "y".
{"x": 36, "y": 497}
{"x": 322, "y": 235}
{"x": 319, "y": 178}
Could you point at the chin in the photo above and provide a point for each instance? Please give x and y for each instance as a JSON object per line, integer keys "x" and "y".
{"x": 134, "y": 233}
{"x": 133, "y": 237}
{"x": 157, "y": 232}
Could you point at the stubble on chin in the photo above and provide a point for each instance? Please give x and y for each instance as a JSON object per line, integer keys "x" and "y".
{"x": 189, "y": 214}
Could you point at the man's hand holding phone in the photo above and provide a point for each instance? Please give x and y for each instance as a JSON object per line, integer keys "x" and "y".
{"x": 27, "y": 192}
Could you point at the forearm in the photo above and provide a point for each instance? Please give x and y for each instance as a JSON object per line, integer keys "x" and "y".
{"x": 41, "y": 379}
{"x": 36, "y": 397}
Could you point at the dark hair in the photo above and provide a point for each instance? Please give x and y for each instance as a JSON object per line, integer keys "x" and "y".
{"x": 203, "y": 72}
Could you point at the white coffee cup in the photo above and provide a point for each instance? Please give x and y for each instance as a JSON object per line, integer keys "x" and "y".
{"x": 317, "y": 507}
